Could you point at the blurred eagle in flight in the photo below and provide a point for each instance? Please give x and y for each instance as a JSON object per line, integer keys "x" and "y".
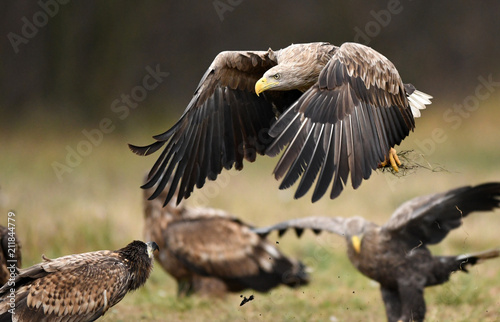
{"x": 337, "y": 110}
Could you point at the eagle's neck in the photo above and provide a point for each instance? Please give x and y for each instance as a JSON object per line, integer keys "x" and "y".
{"x": 305, "y": 62}
{"x": 138, "y": 263}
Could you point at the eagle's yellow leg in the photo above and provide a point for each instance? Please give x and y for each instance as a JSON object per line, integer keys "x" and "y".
{"x": 393, "y": 160}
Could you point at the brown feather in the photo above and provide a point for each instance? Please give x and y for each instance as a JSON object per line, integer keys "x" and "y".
{"x": 79, "y": 287}
{"x": 209, "y": 251}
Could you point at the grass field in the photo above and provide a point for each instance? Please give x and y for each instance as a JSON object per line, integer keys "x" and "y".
{"x": 98, "y": 206}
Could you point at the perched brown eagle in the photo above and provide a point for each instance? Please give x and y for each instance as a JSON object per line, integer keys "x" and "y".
{"x": 396, "y": 254}
{"x": 340, "y": 110}
{"x": 10, "y": 254}
{"x": 79, "y": 287}
{"x": 210, "y": 252}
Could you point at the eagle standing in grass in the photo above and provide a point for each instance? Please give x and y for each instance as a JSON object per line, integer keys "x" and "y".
{"x": 10, "y": 253}
{"x": 339, "y": 110}
{"x": 396, "y": 254}
{"x": 80, "y": 287}
{"x": 210, "y": 252}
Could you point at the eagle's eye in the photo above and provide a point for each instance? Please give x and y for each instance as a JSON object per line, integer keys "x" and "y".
{"x": 277, "y": 76}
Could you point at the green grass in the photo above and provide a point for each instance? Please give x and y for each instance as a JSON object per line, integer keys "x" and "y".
{"x": 98, "y": 206}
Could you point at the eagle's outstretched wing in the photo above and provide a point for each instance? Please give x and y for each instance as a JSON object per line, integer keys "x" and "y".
{"x": 345, "y": 123}
{"x": 430, "y": 218}
{"x": 224, "y": 123}
{"x": 336, "y": 225}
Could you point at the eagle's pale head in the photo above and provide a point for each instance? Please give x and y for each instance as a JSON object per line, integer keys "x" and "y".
{"x": 151, "y": 247}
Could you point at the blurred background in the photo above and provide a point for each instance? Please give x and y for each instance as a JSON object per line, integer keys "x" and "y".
{"x": 74, "y": 64}
{"x": 80, "y": 80}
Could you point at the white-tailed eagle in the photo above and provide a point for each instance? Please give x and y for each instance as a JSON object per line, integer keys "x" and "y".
{"x": 396, "y": 254}
{"x": 339, "y": 110}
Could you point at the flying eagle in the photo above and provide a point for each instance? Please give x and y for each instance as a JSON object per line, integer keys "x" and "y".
{"x": 339, "y": 110}
{"x": 396, "y": 254}
{"x": 10, "y": 254}
{"x": 210, "y": 252}
{"x": 79, "y": 287}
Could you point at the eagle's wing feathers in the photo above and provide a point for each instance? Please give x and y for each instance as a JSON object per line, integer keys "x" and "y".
{"x": 227, "y": 249}
{"x": 210, "y": 253}
{"x": 83, "y": 285}
{"x": 336, "y": 225}
{"x": 224, "y": 123}
{"x": 352, "y": 116}
{"x": 430, "y": 218}
{"x": 79, "y": 287}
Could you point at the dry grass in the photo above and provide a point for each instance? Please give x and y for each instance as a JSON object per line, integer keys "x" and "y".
{"x": 98, "y": 206}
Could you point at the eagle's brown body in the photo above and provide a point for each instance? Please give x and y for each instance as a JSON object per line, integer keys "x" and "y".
{"x": 80, "y": 287}
{"x": 396, "y": 254}
{"x": 210, "y": 252}
{"x": 10, "y": 253}
{"x": 337, "y": 110}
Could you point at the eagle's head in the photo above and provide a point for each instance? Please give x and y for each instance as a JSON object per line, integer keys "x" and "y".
{"x": 138, "y": 256}
{"x": 284, "y": 77}
{"x": 355, "y": 228}
{"x": 151, "y": 247}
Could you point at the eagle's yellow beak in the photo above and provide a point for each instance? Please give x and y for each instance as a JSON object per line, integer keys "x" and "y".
{"x": 262, "y": 85}
{"x": 356, "y": 243}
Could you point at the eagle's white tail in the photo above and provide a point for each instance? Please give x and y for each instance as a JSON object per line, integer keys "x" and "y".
{"x": 418, "y": 100}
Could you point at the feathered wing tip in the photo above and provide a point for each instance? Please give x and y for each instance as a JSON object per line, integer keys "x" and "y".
{"x": 147, "y": 149}
{"x": 316, "y": 224}
{"x": 264, "y": 231}
{"x": 476, "y": 258}
{"x": 418, "y": 101}
{"x": 282, "y": 131}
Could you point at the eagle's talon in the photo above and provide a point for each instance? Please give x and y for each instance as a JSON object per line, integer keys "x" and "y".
{"x": 393, "y": 160}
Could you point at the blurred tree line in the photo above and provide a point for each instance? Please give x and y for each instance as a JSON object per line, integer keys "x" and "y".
{"x": 72, "y": 59}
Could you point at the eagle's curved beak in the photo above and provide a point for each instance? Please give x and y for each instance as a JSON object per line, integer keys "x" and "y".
{"x": 151, "y": 247}
{"x": 356, "y": 243}
{"x": 263, "y": 84}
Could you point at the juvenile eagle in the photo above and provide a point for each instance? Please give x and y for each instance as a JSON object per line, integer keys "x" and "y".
{"x": 339, "y": 110}
{"x": 210, "y": 252}
{"x": 10, "y": 254}
{"x": 79, "y": 287}
{"x": 396, "y": 254}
